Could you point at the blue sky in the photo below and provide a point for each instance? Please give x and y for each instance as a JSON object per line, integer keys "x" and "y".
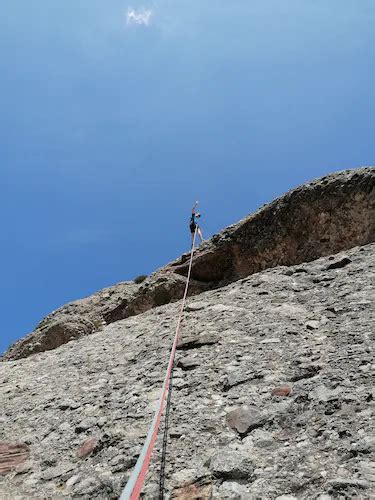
{"x": 116, "y": 116}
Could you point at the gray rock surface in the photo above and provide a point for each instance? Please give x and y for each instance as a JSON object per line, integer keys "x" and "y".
{"x": 323, "y": 217}
{"x": 82, "y": 410}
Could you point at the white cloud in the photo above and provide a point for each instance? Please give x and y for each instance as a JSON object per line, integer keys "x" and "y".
{"x": 140, "y": 16}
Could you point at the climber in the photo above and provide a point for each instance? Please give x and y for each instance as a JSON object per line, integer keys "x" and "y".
{"x": 193, "y": 223}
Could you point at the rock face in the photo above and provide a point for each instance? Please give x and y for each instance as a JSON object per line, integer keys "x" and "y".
{"x": 325, "y": 216}
{"x": 273, "y": 394}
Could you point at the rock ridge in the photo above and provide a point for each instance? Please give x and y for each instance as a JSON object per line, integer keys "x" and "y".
{"x": 325, "y": 216}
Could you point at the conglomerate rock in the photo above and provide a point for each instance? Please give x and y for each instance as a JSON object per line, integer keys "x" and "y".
{"x": 325, "y": 216}
{"x": 273, "y": 394}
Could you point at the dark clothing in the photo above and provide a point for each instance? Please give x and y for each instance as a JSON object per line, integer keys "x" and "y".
{"x": 192, "y": 224}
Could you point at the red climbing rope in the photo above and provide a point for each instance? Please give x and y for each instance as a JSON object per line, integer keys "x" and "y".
{"x": 135, "y": 483}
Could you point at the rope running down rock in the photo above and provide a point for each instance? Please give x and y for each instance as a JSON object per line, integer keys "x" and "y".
{"x": 134, "y": 485}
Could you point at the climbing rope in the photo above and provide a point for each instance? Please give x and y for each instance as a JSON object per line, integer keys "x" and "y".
{"x": 163, "y": 459}
{"x": 134, "y": 485}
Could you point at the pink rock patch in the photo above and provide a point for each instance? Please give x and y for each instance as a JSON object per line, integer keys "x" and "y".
{"x": 193, "y": 492}
{"x": 282, "y": 391}
{"x": 87, "y": 447}
{"x": 12, "y": 455}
